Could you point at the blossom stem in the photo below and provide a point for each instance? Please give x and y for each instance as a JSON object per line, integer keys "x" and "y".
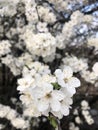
{"x": 58, "y": 125}
{"x": 55, "y": 122}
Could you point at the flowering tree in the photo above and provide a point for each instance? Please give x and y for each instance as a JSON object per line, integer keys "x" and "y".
{"x": 48, "y": 48}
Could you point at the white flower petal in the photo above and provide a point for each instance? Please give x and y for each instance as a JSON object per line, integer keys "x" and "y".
{"x": 95, "y": 68}
{"x": 61, "y": 82}
{"x": 74, "y": 82}
{"x": 47, "y": 87}
{"x": 20, "y": 88}
{"x": 55, "y": 105}
{"x": 69, "y": 101}
{"x": 66, "y": 92}
{"x": 43, "y": 105}
{"x": 57, "y": 114}
{"x": 37, "y": 93}
{"x": 58, "y": 95}
{"x": 71, "y": 90}
{"x": 67, "y": 72}
{"x": 26, "y": 99}
{"x": 59, "y": 74}
{"x": 65, "y": 110}
{"x": 25, "y": 83}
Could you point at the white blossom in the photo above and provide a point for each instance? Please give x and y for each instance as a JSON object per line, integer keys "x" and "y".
{"x": 45, "y": 92}
{"x": 40, "y": 44}
{"x": 93, "y": 42}
{"x": 42, "y": 27}
{"x": 19, "y": 123}
{"x": 8, "y": 8}
{"x": 46, "y": 15}
{"x": 73, "y": 127}
{"x": 25, "y": 83}
{"x": 95, "y": 68}
{"x": 5, "y": 47}
{"x": 78, "y": 120}
{"x": 92, "y": 76}
{"x": 66, "y": 80}
{"x": 16, "y": 120}
{"x": 76, "y": 64}
{"x": 86, "y": 113}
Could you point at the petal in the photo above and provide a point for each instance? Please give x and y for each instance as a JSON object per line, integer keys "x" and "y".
{"x": 61, "y": 82}
{"x": 74, "y": 82}
{"x": 66, "y": 92}
{"x": 67, "y": 72}
{"x": 46, "y": 113}
{"x": 26, "y": 99}
{"x": 42, "y": 105}
{"x": 20, "y": 81}
{"x": 55, "y": 105}
{"x": 47, "y": 87}
{"x": 59, "y": 74}
{"x": 28, "y": 79}
{"x": 95, "y": 68}
{"x": 65, "y": 110}
{"x": 20, "y": 88}
{"x": 36, "y": 93}
{"x": 71, "y": 90}
{"x": 57, "y": 114}
{"x": 39, "y": 92}
{"x": 58, "y": 95}
{"x": 69, "y": 101}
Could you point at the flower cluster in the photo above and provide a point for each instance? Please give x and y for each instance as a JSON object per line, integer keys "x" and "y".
{"x": 43, "y": 93}
{"x": 87, "y": 116}
{"x": 30, "y": 11}
{"x": 92, "y": 76}
{"x": 76, "y": 64}
{"x": 86, "y": 113}
{"x": 5, "y": 47}
{"x": 43, "y": 11}
{"x": 8, "y": 7}
{"x": 36, "y": 38}
{"x": 16, "y": 64}
{"x": 10, "y": 114}
{"x": 40, "y": 44}
{"x": 73, "y": 127}
{"x": 93, "y": 42}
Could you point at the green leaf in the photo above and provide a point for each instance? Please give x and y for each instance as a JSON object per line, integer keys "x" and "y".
{"x": 53, "y": 121}
{"x": 56, "y": 86}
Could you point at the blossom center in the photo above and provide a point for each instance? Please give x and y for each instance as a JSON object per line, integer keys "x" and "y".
{"x": 48, "y": 95}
